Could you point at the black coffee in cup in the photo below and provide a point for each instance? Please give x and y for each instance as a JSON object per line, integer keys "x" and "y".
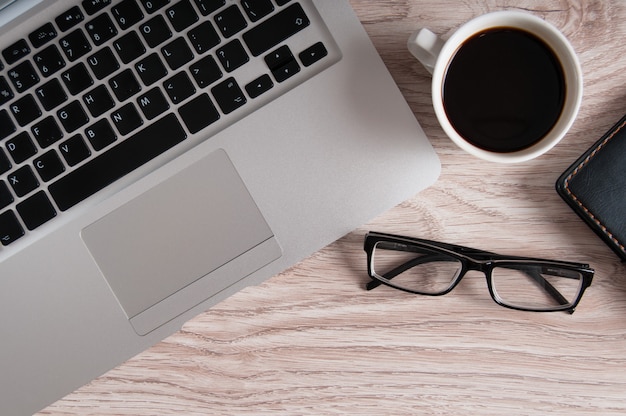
{"x": 504, "y": 90}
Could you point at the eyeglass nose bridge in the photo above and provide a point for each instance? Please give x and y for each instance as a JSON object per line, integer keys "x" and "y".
{"x": 469, "y": 264}
{"x": 484, "y": 266}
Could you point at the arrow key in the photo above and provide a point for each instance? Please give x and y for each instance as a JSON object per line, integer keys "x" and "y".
{"x": 282, "y": 63}
{"x": 278, "y": 58}
{"x": 259, "y": 86}
{"x": 313, "y": 54}
{"x": 289, "y": 69}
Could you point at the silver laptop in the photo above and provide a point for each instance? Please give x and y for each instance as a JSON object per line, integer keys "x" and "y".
{"x": 158, "y": 156}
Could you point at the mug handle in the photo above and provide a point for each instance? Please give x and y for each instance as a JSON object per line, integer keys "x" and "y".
{"x": 425, "y": 46}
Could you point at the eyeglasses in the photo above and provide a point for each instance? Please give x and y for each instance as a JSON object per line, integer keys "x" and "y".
{"x": 432, "y": 268}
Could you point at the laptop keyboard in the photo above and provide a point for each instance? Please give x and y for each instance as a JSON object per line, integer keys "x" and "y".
{"x": 107, "y": 86}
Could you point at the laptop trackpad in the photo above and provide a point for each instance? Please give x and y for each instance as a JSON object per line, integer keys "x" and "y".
{"x": 181, "y": 242}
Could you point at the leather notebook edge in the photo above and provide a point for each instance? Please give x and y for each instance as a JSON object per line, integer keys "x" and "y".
{"x": 564, "y": 190}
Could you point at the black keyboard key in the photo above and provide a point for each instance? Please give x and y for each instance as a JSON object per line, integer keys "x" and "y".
{"x": 101, "y": 134}
{"x": 77, "y": 79}
{"x": 98, "y": 101}
{"x": 7, "y": 127}
{"x": 257, "y": 9}
{"x": 129, "y": 47}
{"x": 155, "y": 31}
{"x": 152, "y": 6}
{"x": 230, "y": 21}
{"x": 276, "y": 29}
{"x": 23, "y": 76}
{"x": 177, "y": 53}
{"x": 42, "y": 35}
{"x": 10, "y": 228}
{"x": 124, "y": 85}
{"x": 312, "y": 54}
{"x": 127, "y": 156}
{"x": 232, "y": 55}
{"x": 5, "y": 164}
{"x": 36, "y": 210}
{"x": 199, "y": 113}
{"x": 278, "y": 58}
{"x": 127, "y": 13}
{"x": 47, "y": 132}
{"x": 72, "y": 116}
{"x": 25, "y": 110}
{"x": 150, "y": 69}
{"x": 101, "y": 29}
{"x": 282, "y": 63}
{"x": 5, "y": 195}
{"x": 203, "y": 37}
{"x": 74, "y": 150}
{"x": 207, "y": 7}
{"x": 153, "y": 103}
{"x": 69, "y": 19}
{"x": 179, "y": 87}
{"x": 75, "y": 45}
{"x": 181, "y": 15}
{"x": 51, "y": 94}
{"x": 126, "y": 119}
{"x": 21, "y": 147}
{"x": 23, "y": 181}
{"x": 259, "y": 86}
{"x": 286, "y": 71}
{"x": 5, "y": 91}
{"x": 48, "y": 165}
{"x": 205, "y": 71}
{"x": 94, "y": 6}
{"x": 228, "y": 95}
{"x": 49, "y": 60}
{"x": 103, "y": 63}
{"x": 15, "y": 52}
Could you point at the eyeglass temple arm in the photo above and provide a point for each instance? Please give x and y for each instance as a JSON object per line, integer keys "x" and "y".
{"x": 543, "y": 283}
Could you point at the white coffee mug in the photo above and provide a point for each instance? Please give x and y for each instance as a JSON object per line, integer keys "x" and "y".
{"x": 436, "y": 55}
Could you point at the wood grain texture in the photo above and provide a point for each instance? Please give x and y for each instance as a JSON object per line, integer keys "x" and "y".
{"x": 312, "y": 341}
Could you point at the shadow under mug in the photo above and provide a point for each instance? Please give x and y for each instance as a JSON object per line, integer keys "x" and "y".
{"x": 437, "y": 56}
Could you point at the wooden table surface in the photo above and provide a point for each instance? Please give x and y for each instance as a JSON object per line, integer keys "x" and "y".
{"x": 312, "y": 341}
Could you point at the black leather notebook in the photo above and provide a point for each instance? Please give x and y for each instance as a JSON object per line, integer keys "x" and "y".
{"x": 595, "y": 187}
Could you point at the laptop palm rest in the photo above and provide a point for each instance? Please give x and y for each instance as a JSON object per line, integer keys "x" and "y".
{"x": 181, "y": 242}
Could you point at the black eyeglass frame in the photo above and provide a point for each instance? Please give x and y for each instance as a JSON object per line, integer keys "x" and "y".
{"x": 477, "y": 260}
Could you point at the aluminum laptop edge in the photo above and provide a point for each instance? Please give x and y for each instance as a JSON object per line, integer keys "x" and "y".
{"x": 125, "y": 268}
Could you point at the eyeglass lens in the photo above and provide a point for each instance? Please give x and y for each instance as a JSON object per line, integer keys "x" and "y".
{"x": 536, "y": 287}
{"x": 415, "y": 268}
